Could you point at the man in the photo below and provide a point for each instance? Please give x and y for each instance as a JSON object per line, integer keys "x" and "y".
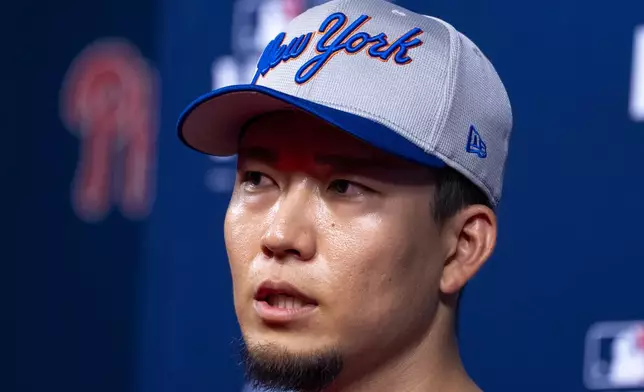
{"x": 371, "y": 149}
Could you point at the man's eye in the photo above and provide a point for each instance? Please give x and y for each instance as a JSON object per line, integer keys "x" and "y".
{"x": 346, "y": 188}
{"x": 255, "y": 179}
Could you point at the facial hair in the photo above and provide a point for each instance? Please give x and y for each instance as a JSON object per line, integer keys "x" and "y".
{"x": 274, "y": 368}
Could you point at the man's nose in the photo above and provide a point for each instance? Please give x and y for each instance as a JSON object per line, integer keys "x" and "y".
{"x": 291, "y": 233}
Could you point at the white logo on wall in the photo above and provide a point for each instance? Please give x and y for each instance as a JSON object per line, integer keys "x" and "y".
{"x": 614, "y": 356}
{"x": 636, "y": 106}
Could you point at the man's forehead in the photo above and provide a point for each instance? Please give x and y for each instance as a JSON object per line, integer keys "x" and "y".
{"x": 293, "y": 127}
{"x": 294, "y": 138}
{"x": 293, "y": 133}
{"x": 273, "y": 155}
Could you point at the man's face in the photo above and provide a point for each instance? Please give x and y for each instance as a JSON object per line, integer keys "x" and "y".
{"x": 331, "y": 243}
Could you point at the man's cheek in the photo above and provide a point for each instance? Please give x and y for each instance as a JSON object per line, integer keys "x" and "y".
{"x": 242, "y": 235}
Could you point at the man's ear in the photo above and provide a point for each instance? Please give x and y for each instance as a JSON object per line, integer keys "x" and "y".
{"x": 470, "y": 237}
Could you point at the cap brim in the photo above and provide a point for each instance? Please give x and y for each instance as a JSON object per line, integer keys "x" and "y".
{"x": 212, "y": 123}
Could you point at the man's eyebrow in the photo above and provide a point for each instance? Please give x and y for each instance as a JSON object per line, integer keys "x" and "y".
{"x": 346, "y": 162}
{"x": 258, "y": 153}
{"x": 340, "y": 162}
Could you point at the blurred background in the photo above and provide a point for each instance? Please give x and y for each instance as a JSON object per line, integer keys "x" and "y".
{"x": 122, "y": 282}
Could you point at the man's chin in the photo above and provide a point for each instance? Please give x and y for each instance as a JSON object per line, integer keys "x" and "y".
{"x": 296, "y": 367}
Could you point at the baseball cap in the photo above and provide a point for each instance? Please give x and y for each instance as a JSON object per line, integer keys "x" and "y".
{"x": 406, "y": 83}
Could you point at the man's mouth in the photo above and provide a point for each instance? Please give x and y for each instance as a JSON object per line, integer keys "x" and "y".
{"x": 284, "y": 301}
{"x": 281, "y": 302}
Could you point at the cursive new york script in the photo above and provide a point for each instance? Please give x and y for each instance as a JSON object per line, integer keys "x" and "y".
{"x": 335, "y": 39}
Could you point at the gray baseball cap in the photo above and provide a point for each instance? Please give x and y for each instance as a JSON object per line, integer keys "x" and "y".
{"x": 406, "y": 83}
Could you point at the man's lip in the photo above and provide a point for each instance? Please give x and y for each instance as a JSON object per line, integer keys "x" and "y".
{"x": 275, "y": 315}
{"x": 271, "y": 287}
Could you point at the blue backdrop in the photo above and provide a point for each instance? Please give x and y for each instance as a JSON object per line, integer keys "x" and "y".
{"x": 138, "y": 298}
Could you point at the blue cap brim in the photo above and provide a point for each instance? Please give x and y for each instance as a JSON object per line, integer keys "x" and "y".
{"x": 212, "y": 123}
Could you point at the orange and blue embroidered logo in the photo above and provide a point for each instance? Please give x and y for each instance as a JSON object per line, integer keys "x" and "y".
{"x": 335, "y": 39}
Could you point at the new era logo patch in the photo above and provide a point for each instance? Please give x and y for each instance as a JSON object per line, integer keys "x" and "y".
{"x": 475, "y": 143}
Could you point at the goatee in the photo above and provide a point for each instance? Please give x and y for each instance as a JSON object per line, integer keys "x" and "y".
{"x": 274, "y": 368}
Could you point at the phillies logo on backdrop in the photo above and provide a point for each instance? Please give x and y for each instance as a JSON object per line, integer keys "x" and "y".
{"x": 109, "y": 101}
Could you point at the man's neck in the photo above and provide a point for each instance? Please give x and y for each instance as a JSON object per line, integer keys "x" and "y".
{"x": 433, "y": 364}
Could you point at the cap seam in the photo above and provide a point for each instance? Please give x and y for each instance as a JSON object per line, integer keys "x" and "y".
{"x": 450, "y": 83}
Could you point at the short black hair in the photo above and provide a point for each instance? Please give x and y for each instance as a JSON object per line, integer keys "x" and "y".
{"x": 454, "y": 192}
